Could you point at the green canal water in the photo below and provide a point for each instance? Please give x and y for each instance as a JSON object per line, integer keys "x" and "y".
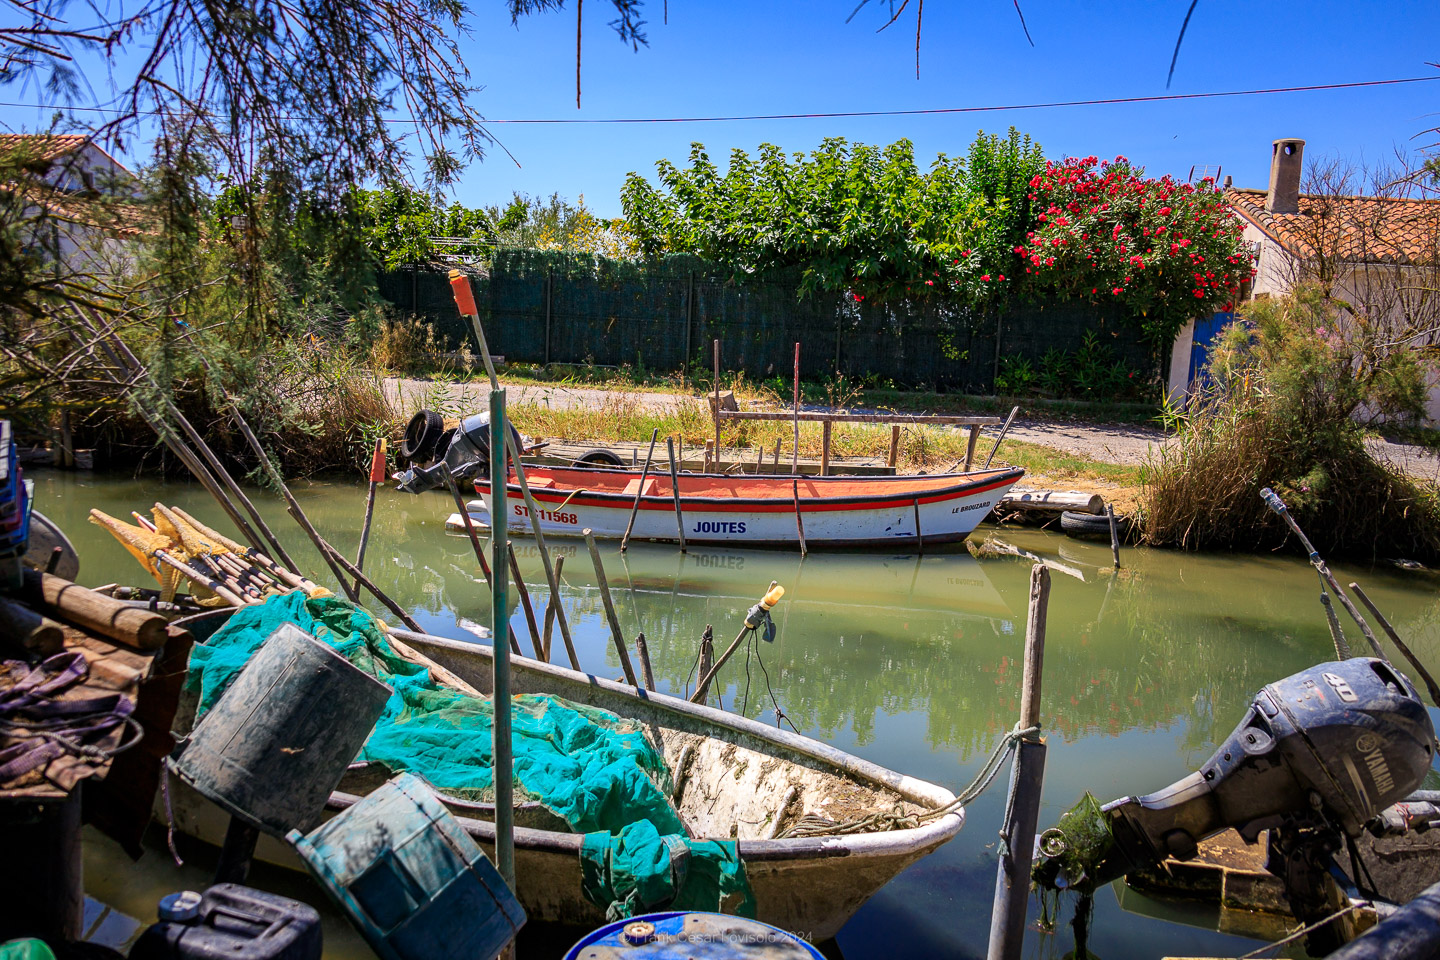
{"x": 911, "y": 662}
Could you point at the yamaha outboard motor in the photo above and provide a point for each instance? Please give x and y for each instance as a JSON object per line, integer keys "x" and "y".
{"x": 1318, "y": 754}
{"x": 467, "y": 455}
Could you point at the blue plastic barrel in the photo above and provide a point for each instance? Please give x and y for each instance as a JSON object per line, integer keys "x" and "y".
{"x": 414, "y": 884}
{"x": 691, "y": 936}
{"x": 275, "y": 745}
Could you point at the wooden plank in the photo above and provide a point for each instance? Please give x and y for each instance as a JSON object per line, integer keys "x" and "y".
{"x": 812, "y": 417}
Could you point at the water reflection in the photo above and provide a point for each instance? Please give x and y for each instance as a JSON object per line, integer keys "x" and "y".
{"x": 910, "y": 661}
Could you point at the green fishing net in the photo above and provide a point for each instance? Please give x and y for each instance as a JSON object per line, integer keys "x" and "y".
{"x": 25, "y": 950}
{"x": 595, "y": 770}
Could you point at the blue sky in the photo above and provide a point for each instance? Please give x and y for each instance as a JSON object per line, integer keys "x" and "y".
{"x": 799, "y": 56}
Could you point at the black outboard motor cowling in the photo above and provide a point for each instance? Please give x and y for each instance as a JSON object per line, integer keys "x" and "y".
{"x": 467, "y": 455}
{"x": 1338, "y": 742}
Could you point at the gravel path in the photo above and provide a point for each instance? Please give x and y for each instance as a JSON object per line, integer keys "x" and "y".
{"x": 1126, "y": 444}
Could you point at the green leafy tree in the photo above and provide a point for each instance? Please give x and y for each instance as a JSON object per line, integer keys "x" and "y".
{"x": 846, "y": 217}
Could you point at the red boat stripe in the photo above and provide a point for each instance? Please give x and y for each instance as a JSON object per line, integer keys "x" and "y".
{"x": 621, "y": 501}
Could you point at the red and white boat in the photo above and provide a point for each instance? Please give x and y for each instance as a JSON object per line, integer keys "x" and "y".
{"x": 763, "y": 510}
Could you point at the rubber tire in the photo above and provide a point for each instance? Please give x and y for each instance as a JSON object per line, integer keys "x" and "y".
{"x": 1089, "y": 526}
{"x": 601, "y": 457}
{"x": 422, "y": 434}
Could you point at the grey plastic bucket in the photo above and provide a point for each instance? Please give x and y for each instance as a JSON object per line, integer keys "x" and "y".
{"x": 275, "y": 745}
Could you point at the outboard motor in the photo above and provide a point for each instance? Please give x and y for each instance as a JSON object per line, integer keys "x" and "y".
{"x": 1318, "y": 754}
{"x": 467, "y": 455}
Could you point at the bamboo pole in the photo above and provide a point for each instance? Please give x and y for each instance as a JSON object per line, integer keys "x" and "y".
{"x": 799, "y": 522}
{"x": 644, "y": 653}
{"x": 551, "y": 602}
{"x": 610, "y": 609}
{"x": 707, "y": 658}
{"x": 503, "y": 776}
{"x": 745, "y": 628}
{"x": 1278, "y": 505}
{"x": 467, "y": 522}
{"x": 294, "y": 505}
{"x": 716, "y": 351}
{"x": 465, "y": 301}
{"x": 1003, "y": 430}
{"x": 223, "y": 475}
{"x": 377, "y": 477}
{"x": 640, "y": 491}
{"x": 1114, "y": 534}
{"x": 366, "y": 582}
{"x": 524, "y": 593}
{"x": 1027, "y": 775}
{"x": 795, "y": 403}
{"x": 675, "y": 493}
{"x": 1399, "y": 644}
{"x": 970, "y": 447}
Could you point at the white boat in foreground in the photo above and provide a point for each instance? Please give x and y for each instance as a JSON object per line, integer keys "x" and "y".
{"x": 734, "y": 779}
{"x": 767, "y": 511}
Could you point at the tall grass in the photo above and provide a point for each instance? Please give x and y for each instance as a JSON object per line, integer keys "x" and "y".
{"x": 1281, "y": 412}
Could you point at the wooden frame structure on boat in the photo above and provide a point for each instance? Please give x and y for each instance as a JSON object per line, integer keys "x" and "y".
{"x": 896, "y": 420}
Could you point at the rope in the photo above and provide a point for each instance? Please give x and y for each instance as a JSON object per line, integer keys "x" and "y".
{"x": 813, "y": 825}
{"x": 1304, "y": 930}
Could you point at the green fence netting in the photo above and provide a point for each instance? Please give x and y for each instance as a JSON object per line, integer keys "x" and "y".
{"x": 597, "y": 771}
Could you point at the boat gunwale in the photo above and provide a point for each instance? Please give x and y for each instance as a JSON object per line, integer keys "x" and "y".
{"x": 580, "y": 496}
{"x": 881, "y": 843}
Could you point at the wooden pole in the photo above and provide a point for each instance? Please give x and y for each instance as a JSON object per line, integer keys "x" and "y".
{"x": 639, "y": 491}
{"x": 919, "y": 536}
{"x": 503, "y": 777}
{"x": 644, "y": 652}
{"x": 675, "y": 493}
{"x": 551, "y": 603}
{"x": 970, "y": 447}
{"x": 610, "y": 609}
{"x": 1399, "y": 644}
{"x": 524, "y": 592}
{"x": 825, "y": 449}
{"x": 1278, "y": 505}
{"x": 465, "y": 300}
{"x": 1114, "y": 534}
{"x": 365, "y": 582}
{"x": 795, "y": 454}
{"x": 707, "y": 678}
{"x": 377, "y": 477}
{"x": 1012, "y": 879}
{"x": 799, "y": 523}
{"x": 760, "y": 462}
{"x": 716, "y": 350}
{"x": 775, "y": 463}
{"x": 294, "y": 505}
{"x": 710, "y": 457}
{"x": 707, "y": 658}
{"x": 468, "y": 523}
{"x": 1003, "y": 430}
{"x": 894, "y": 445}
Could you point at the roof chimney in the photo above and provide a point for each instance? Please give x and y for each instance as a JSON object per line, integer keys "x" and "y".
{"x": 1285, "y": 166}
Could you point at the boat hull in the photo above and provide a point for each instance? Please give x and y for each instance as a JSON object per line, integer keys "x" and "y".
{"x": 876, "y": 513}
{"x": 810, "y": 886}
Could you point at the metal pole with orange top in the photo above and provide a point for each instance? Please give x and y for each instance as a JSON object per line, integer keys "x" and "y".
{"x": 465, "y": 301}
{"x": 377, "y": 477}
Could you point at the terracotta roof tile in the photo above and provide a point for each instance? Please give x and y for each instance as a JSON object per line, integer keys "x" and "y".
{"x": 1351, "y": 229}
{"x": 43, "y": 146}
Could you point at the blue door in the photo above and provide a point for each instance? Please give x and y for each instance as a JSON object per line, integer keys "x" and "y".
{"x": 1207, "y": 330}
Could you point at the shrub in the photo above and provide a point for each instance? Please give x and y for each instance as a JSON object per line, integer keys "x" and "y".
{"x": 1279, "y": 410}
